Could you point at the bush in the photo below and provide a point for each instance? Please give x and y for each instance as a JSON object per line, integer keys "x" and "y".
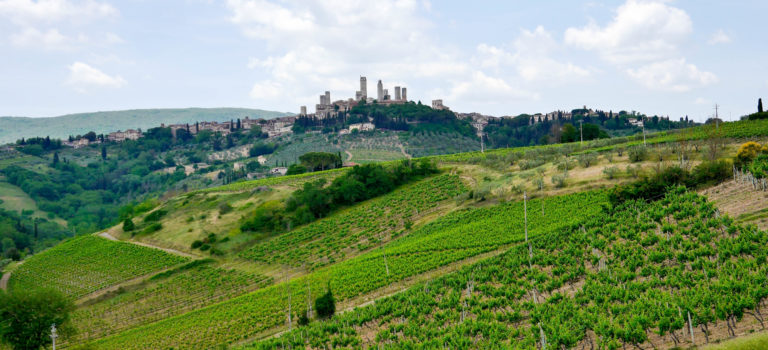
{"x": 611, "y": 172}
{"x": 296, "y": 169}
{"x": 325, "y": 305}
{"x": 747, "y": 152}
{"x": 637, "y": 154}
{"x": 224, "y": 208}
{"x": 155, "y": 215}
{"x": 559, "y": 180}
{"x": 128, "y": 225}
{"x": 152, "y": 228}
{"x": 649, "y": 189}
{"x": 587, "y": 159}
{"x": 197, "y": 244}
{"x": 303, "y": 319}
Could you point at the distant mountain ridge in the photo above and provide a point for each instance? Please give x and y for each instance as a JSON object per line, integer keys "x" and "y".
{"x": 14, "y": 128}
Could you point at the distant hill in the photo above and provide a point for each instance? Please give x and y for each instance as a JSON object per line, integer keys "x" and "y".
{"x": 14, "y": 128}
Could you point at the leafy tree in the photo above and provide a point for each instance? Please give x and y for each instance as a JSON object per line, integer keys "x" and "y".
{"x": 261, "y": 149}
{"x": 569, "y": 134}
{"x": 296, "y": 169}
{"x": 315, "y": 161}
{"x": 325, "y": 305}
{"x": 28, "y": 315}
{"x": 128, "y": 225}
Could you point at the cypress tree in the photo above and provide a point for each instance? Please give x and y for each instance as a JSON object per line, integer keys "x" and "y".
{"x": 759, "y": 105}
{"x": 55, "y": 158}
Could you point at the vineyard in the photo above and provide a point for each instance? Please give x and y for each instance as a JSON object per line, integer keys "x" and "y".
{"x": 247, "y": 316}
{"x": 165, "y": 295}
{"x": 658, "y": 275}
{"x": 358, "y": 228}
{"x": 86, "y": 264}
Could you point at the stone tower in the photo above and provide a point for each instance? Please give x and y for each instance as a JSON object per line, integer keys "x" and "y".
{"x": 380, "y": 91}
{"x": 363, "y": 88}
{"x": 397, "y": 93}
{"x": 404, "y": 94}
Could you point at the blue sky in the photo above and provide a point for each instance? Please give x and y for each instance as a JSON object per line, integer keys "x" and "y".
{"x": 671, "y": 58}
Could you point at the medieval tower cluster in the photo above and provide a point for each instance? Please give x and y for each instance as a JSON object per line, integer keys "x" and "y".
{"x": 328, "y": 108}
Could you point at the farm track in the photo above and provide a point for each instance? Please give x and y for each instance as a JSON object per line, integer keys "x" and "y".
{"x": 106, "y": 235}
{"x": 7, "y": 277}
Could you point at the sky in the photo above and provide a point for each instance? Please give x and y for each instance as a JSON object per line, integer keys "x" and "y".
{"x": 668, "y": 58}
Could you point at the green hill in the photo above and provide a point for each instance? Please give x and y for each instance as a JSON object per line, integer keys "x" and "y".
{"x": 595, "y": 257}
{"x": 14, "y": 128}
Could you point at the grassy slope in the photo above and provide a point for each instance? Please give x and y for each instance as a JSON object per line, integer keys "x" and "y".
{"x": 86, "y": 264}
{"x": 13, "y": 128}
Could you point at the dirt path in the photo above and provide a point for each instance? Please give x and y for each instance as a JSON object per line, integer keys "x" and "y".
{"x": 7, "y": 277}
{"x": 4, "y": 280}
{"x": 402, "y": 150}
{"x": 106, "y": 235}
{"x": 349, "y": 156}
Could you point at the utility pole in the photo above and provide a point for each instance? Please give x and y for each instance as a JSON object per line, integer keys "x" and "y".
{"x": 525, "y": 213}
{"x": 717, "y": 118}
{"x": 54, "y": 335}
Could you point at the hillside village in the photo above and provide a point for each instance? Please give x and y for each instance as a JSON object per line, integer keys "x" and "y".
{"x": 327, "y": 109}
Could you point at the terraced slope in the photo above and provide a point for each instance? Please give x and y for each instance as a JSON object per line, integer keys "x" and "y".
{"x": 631, "y": 277}
{"x": 264, "y": 311}
{"x": 86, "y": 264}
{"x": 358, "y": 228}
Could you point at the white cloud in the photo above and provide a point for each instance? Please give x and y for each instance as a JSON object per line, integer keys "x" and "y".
{"x": 38, "y": 22}
{"x": 49, "y": 11}
{"x": 672, "y": 75}
{"x": 719, "y": 37}
{"x": 640, "y": 31}
{"x": 531, "y": 59}
{"x": 313, "y": 46}
{"x": 83, "y": 77}
{"x": 481, "y": 88}
{"x": 31, "y": 37}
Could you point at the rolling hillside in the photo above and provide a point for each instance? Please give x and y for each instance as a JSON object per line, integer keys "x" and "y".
{"x": 453, "y": 259}
{"x": 14, "y": 128}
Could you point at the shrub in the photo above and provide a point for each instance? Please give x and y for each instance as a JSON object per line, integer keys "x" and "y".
{"x": 637, "y": 154}
{"x": 325, "y": 305}
{"x": 747, "y": 152}
{"x": 655, "y": 187}
{"x": 152, "y": 228}
{"x": 155, "y": 215}
{"x": 303, "y": 319}
{"x": 559, "y": 180}
{"x": 197, "y": 244}
{"x": 128, "y": 225}
{"x": 224, "y": 208}
{"x": 296, "y": 169}
{"x": 587, "y": 159}
{"x": 611, "y": 172}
